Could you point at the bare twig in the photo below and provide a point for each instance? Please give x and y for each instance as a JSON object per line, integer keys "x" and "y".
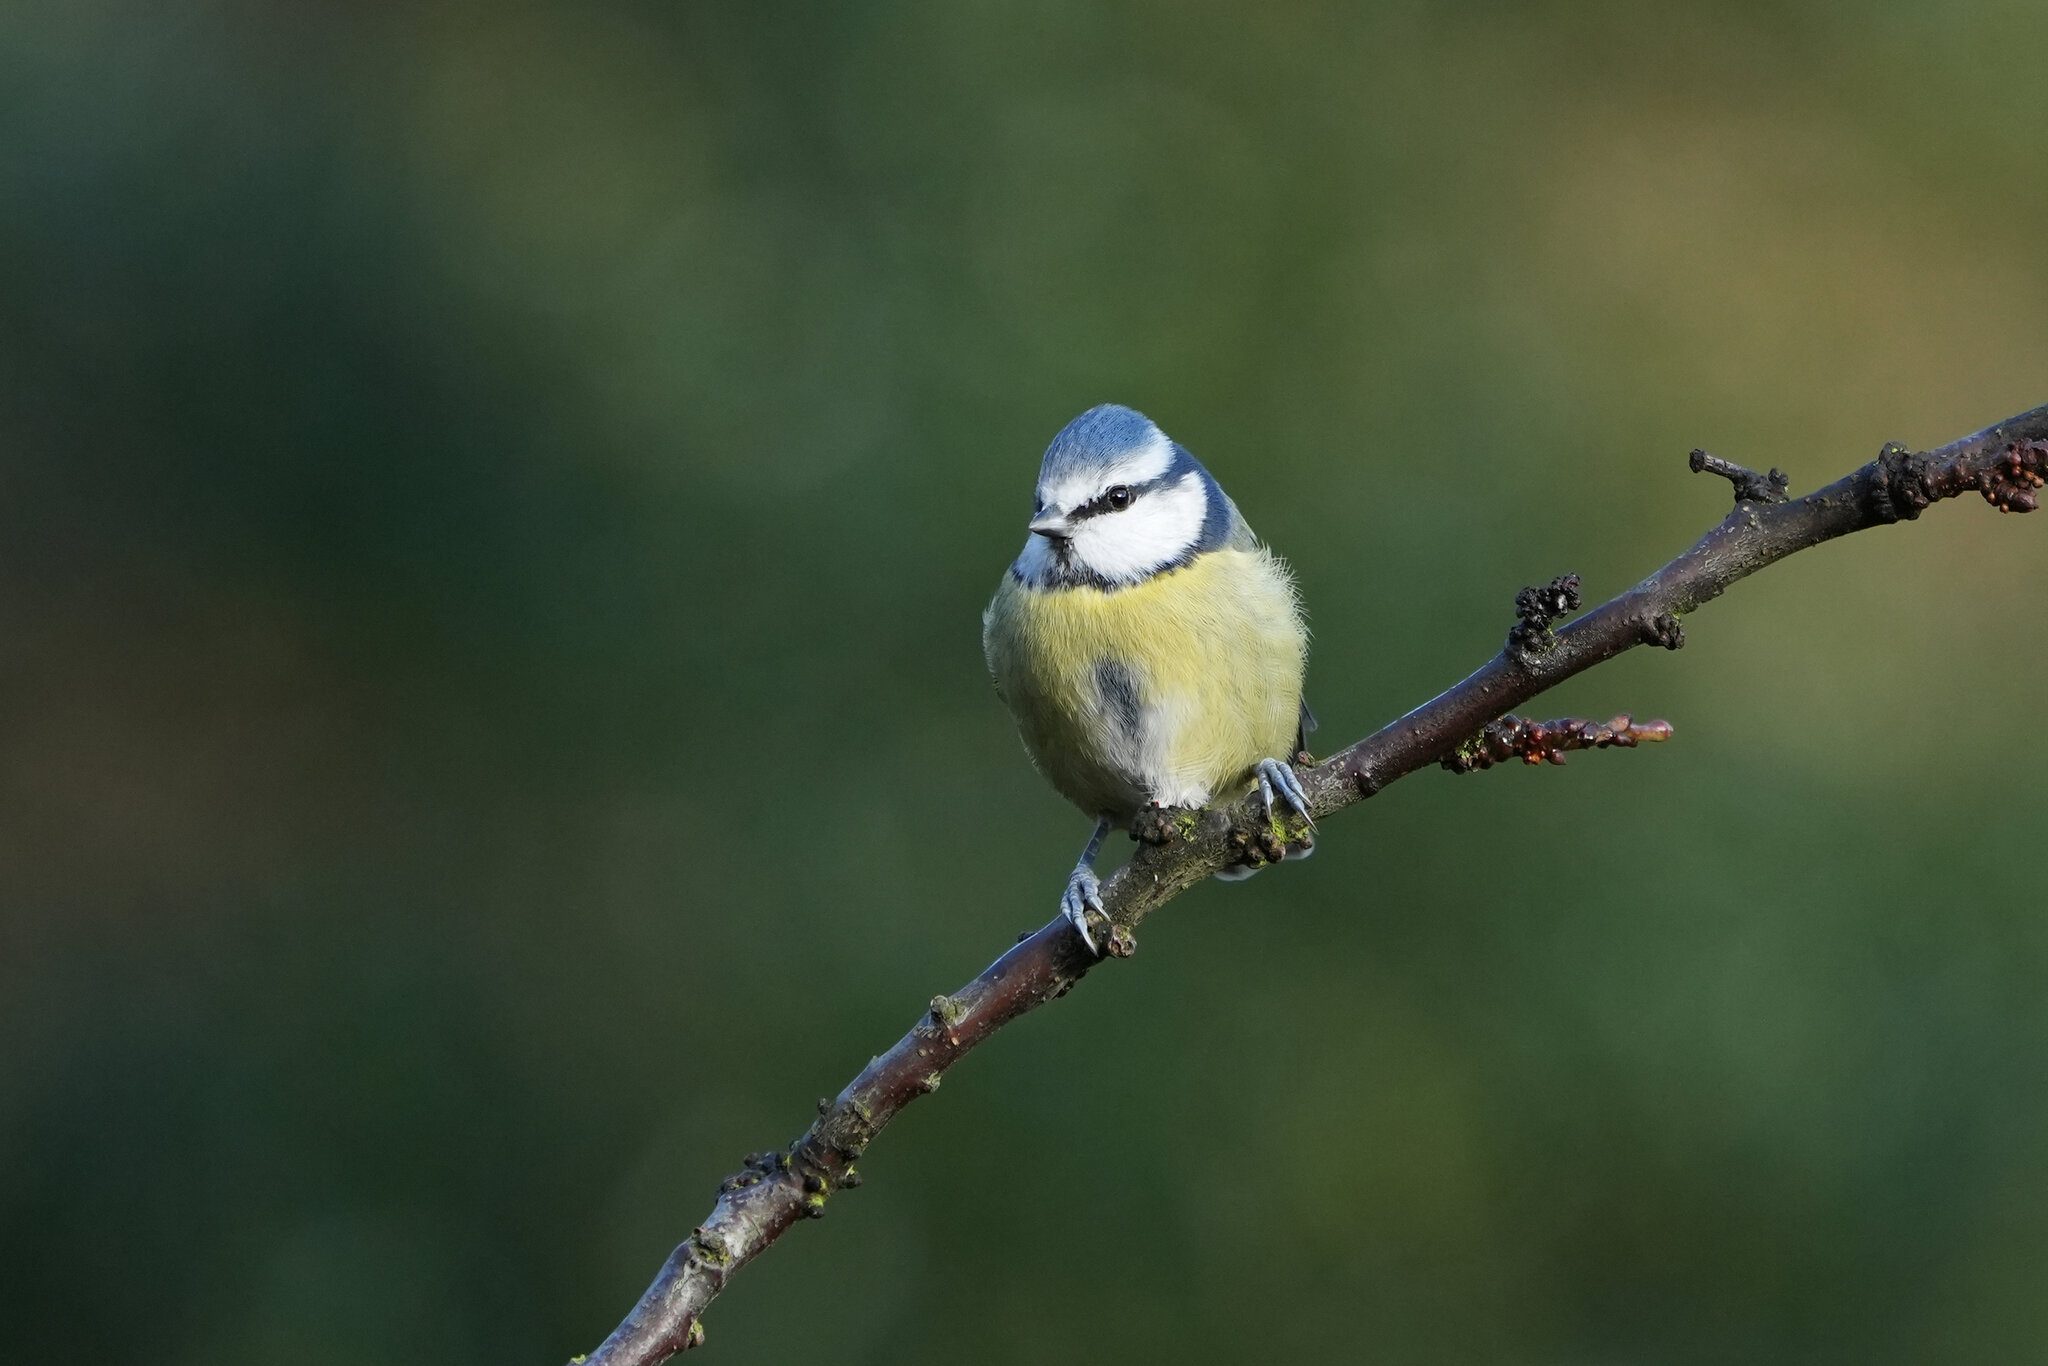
{"x": 2007, "y": 464}
{"x": 1750, "y": 487}
{"x": 1547, "y": 742}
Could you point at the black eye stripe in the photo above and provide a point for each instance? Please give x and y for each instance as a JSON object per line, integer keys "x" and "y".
{"x": 1095, "y": 507}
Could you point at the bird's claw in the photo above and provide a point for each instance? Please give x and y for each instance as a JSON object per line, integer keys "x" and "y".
{"x": 1276, "y": 776}
{"x": 1083, "y": 894}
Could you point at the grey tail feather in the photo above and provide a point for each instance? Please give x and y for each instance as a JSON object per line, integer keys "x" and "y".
{"x": 1305, "y": 728}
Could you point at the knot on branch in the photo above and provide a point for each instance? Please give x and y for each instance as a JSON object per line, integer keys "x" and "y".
{"x": 1159, "y": 826}
{"x": 804, "y": 1164}
{"x": 1363, "y": 777}
{"x": 947, "y": 1013}
{"x": 1547, "y": 742}
{"x": 1536, "y": 610}
{"x": 1750, "y": 487}
{"x": 1664, "y": 631}
{"x": 1258, "y": 846}
{"x": 1907, "y": 483}
{"x": 1254, "y": 848}
{"x": 754, "y": 1169}
{"x": 821, "y": 1163}
{"x": 707, "y": 1247}
{"x": 2011, "y": 481}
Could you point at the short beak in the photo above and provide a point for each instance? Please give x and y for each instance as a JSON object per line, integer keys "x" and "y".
{"x": 1053, "y": 527}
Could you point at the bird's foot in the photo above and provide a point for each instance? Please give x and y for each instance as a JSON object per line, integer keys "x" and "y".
{"x": 1083, "y": 894}
{"x": 1278, "y": 778}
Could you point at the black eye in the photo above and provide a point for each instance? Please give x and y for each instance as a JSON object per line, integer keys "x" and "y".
{"x": 1118, "y": 497}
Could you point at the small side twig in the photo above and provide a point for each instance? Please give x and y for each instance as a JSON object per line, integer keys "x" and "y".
{"x": 1547, "y": 742}
{"x": 1750, "y": 487}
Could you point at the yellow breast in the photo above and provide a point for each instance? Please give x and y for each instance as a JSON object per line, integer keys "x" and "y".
{"x": 1168, "y": 690}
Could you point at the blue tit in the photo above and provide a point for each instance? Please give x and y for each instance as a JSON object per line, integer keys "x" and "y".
{"x": 1151, "y": 650}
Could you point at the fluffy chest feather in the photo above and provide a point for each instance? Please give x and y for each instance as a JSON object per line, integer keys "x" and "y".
{"x": 1168, "y": 690}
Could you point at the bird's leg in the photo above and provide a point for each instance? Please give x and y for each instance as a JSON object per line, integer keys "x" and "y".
{"x": 1084, "y": 889}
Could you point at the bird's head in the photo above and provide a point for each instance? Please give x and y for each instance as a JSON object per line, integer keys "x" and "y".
{"x": 1118, "y": 501}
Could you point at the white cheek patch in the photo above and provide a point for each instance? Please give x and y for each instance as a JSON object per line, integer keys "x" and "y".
{"x": 1139, "y": 465}
{"x": 1157, "y": 529}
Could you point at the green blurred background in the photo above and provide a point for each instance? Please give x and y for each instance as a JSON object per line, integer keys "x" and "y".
{"x": 495, "y": 502}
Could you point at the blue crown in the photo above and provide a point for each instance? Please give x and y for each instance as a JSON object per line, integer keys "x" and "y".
{"x": 1097, "y": 437}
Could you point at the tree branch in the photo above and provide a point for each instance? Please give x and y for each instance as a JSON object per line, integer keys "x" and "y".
{"x": 2006, "y": 464}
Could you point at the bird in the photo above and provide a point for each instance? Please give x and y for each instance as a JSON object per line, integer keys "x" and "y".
{"x": 1150, "y": 648}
